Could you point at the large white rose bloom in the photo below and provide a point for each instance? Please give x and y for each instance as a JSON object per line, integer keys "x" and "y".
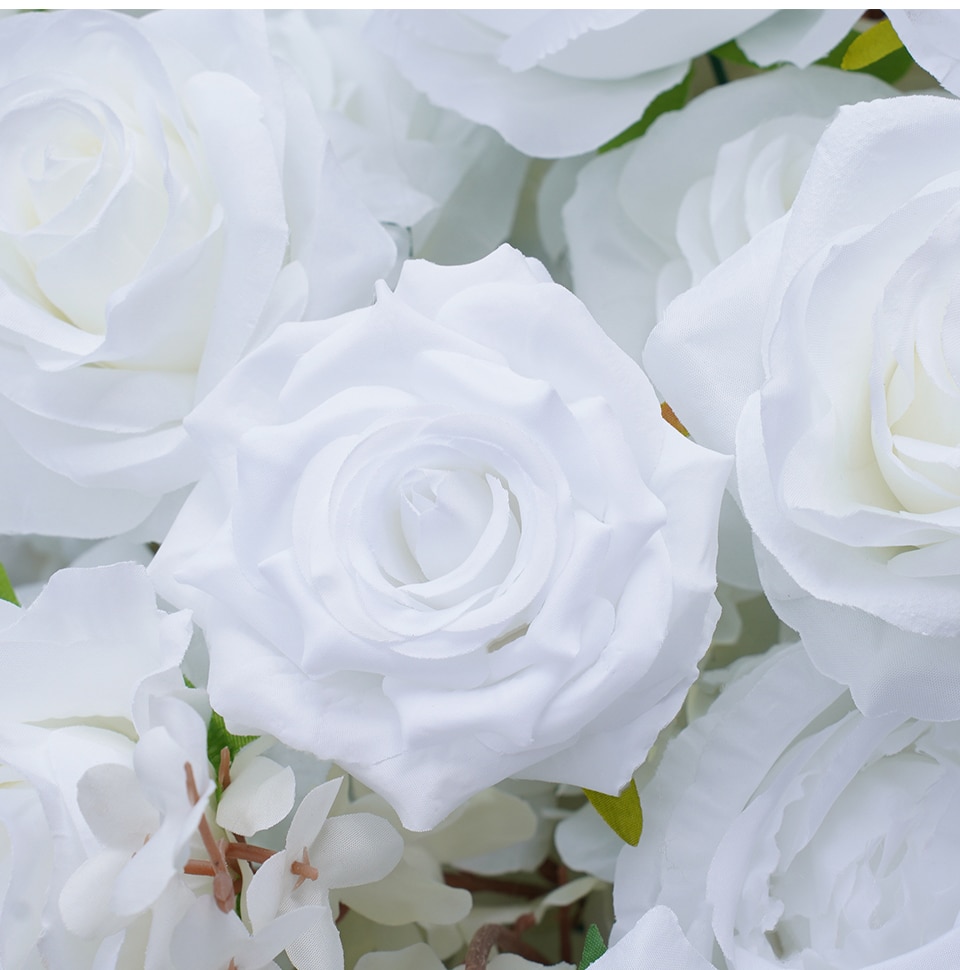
{"x": 649, "y": 220}
{"x": 563, "y": 82}
{"x": 783, "y": 828}
{"x": 449, "y": 539}
{"x": 452, "y": 183}
{"x": 824, "y": 353}
{"x": 166, "y": 198}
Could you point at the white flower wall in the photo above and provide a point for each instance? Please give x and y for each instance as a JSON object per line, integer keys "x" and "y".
{"x": 479, "y": 489}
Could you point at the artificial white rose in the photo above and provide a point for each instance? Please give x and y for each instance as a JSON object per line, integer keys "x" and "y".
{"x": 784, "y": 828}
{"x": 166, "y": 198}
{"x": 559, "y": 83}
{"x": 449, "y": 539}
{"x": 931, "y": 37}
{"x": 453, "y": 184}
{"x": 649, "y": 220}
{"x": 823, "y": 353}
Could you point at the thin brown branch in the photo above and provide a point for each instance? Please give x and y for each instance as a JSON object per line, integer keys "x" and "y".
{"x": 506, "y": 939}
{"x": 458, "y": 879}
{"x": 199, "y": 867}
{"x": 222, "y": 881}
{"x": 251, "y": 853}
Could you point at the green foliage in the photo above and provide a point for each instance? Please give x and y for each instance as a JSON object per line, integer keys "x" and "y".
{"x": 218, "y": 738}
{"x": 593, "y": 947}
{"x": 670, "y": 100}
{"x": 871, "y": 46}
{"x": 6, "y": 588}
{"x": 621, "y": 812}
{"x": 877, "y": 51}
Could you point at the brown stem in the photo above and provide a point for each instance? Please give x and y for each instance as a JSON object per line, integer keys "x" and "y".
{"x": 199, "y": 867}
{"x": 223, "y": 774}
{"x": 548, "y": 870}
{"x": 506, "y": 939}
{"x": 251, "y": 853}
{"x": 222, "y": 881}
{"x": 458, "y": 879}
{"x": 564, "y": 920}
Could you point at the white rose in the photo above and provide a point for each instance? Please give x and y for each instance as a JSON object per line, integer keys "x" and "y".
{"x": 449, "y": 539}
{"x": 166, "y": 198}
{"x": 559, "y": 83}
{"x": 931, "y": 37}
{"x": 825, "y": 358}
{"x": 453, "y": 184}
{"x": 735, "y": 157}
{"x": 784, "y": 828}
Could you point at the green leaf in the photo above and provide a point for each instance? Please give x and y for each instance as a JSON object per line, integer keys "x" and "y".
{"x": 890, "y": 67}
{"x": 218, "y": 738}
{"x": 670, "y": 100}
{"x": 593, "y": 947}
{"x": 871, "y": 46}
{"x": 621, "y": 812}
{"x": 6, "y": 588}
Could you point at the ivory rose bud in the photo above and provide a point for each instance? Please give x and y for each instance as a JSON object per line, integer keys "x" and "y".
{"x": 824, "y": 353}
{"x": 449, "y": 539}
{"x": 562, "y": 82}
{"x": 166, "y": 197}
{"x": 784, "y": 828}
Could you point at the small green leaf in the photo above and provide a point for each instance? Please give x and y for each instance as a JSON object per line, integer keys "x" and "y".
{"x": 6, "y": 588}
{"x": 890, "y": 67}
{"x": 670, "y": 100}
{"x": 218, "y": 738}
{"x": 593, "y": 947}
{"x": 871, "y": 46}
{"x": 621, "y": 812}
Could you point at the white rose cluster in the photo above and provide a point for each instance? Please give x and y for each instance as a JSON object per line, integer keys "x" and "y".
{"x": 389, "y": 403}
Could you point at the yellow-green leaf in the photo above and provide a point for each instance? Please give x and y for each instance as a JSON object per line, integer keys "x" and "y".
{"x": 6, "y": 588}
{"x": 871, "y": 46}
{"x": 621, "y": 812}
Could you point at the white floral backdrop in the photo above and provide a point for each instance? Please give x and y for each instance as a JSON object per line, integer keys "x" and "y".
{"x": 479, "y": 489}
